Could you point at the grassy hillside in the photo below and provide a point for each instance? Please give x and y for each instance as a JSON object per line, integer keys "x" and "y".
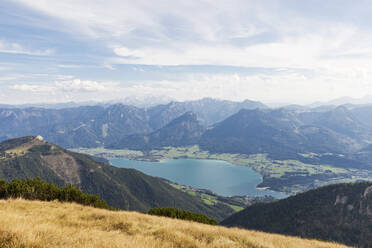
{"x": 34, "y": 224}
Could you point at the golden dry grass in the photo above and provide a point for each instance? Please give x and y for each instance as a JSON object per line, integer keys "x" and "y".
{"x": 38, "y": 224}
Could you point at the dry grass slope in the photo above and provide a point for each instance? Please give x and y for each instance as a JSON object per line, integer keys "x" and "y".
{"x": 34, "y": 224}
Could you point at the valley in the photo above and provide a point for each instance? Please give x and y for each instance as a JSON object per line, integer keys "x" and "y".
{"x": 120, "y": 187}
{"x": 289, "y": 176}
{"x": 294, "y": 150}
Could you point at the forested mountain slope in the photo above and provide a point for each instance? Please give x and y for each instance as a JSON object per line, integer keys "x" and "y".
{"x": 341, "y": 212}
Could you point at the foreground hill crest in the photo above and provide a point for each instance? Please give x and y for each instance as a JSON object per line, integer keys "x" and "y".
{"x": 34, "y": 224}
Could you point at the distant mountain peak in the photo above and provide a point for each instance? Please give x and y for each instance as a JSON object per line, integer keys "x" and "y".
{"x": 184, "y": 130}
{"x": 188, "y": 116}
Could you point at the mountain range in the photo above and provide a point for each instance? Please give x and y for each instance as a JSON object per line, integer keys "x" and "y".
{"x": 312, "y": 146}
{"x": 285, "y": 133}
{"x": 182, "y": 131}
{"x": 345, "y": 100}
{"x": 223, "y": 126}
{"x": 339, "y": 136}
{"x": 94, "y": 126}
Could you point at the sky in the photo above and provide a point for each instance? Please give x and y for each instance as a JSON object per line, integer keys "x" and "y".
{"x": 103, "y": 50}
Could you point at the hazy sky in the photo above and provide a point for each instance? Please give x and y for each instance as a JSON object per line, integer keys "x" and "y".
{"x": 272, "y": 51}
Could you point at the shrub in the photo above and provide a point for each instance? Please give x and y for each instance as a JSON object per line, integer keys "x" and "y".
{"x": 37, "y": 189}
{"x": 181, "y": 214}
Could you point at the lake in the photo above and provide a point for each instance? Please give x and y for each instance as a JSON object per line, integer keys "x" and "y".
{"x": 220, "y": 177}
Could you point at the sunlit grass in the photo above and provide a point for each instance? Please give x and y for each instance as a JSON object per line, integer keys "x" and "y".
{"x": 34, "y": 224}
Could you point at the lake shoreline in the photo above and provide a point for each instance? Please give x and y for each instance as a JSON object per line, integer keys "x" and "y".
{"x": 245, "y": 180}
{"x": 159, "y": 160}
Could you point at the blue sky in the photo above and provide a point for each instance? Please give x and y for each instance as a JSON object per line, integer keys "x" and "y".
{"x": 271, "y": 51}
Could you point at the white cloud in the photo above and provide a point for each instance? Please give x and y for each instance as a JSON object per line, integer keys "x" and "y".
{"x": 11, "y": 77}
{"x": 93, "y": 18}
{"x": 64, "y": 77}
{"x": 247, "y": 33}
{"x": 294, "y": 86}
{"x": 15, "y": 48}
{"x": 126, "y": 52}
{"x": 237, "y": 32}
{"x": 69, "y": 86}
{"x": 8, "y": 78}
{"x": 78, "y": 85}
{"x": 329, "y": 48}
{"x": 69, "y": 66}
{"x": 32, "y": 88}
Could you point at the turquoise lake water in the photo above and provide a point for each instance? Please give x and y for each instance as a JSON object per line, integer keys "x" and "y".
{"x": 220, "y": 177}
